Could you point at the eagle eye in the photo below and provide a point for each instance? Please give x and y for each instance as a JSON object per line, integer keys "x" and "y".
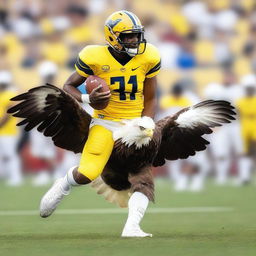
{"x": 142, "y": 128}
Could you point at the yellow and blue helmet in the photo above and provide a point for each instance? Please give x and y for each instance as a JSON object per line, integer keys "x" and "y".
{"x": 120, "y": 23}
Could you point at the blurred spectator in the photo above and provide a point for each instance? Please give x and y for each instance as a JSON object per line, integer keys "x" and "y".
{"x": 250, "y": 44}
{"x": 198, "y": 15}
{"x": 27, "y": 30}
{"x": 4, "y": 23}
{"x": 225, "y": 20}
{"x": 4, "y": 63}
{"x": 53, "y": 49}
{"x": 186, "y": 59}
{"x": 223, "y": 53}
{"x": 9, "y": 161}
{"x": 80, "y": 32}
{"x": 168, "y": 43}
{"x": 249, "y": 47}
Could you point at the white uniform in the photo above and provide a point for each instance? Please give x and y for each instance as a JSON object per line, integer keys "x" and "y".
{"x": 43, "y": 148}
{"x": 226, "y": 139}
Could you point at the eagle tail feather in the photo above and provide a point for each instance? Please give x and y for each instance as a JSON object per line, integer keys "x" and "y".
{"x": 119, "y": 198}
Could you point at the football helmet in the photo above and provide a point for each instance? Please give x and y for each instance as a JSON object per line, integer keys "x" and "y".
{"x": 118, "y": 25}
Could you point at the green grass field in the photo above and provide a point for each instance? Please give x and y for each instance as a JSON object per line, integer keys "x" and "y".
{"x": 179, "y": 231}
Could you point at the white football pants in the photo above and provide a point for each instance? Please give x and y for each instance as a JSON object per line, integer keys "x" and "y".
{"x": 9, "y": 159}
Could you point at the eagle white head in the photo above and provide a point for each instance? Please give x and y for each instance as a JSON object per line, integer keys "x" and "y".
{"x": 138, "y": 131}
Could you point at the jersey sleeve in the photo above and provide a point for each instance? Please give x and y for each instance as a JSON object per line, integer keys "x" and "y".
{"x": 83, "y": 63}
{"x": 154, "y": 62}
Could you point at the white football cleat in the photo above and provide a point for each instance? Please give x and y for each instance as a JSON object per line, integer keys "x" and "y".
{"x": 52, "y": 198}
{"x": 134, "y": 232}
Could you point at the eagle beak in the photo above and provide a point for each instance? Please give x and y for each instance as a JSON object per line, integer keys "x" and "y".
{"x": 149, "y": 132}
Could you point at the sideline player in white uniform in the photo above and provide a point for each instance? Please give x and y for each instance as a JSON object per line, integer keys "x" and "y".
{"x": 226, "y": 139}
{"x": 42, "y": 147}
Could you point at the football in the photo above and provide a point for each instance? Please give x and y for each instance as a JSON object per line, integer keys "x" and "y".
{"x": 93, "y": 82}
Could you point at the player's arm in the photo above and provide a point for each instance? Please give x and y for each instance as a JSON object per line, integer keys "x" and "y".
{"x": 95, "y": 96}
{"x": 71, "y": 85}
{"x": 149, "y": 97}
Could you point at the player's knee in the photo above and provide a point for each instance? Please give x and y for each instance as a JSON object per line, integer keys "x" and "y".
{"x": 91, "y": 170}
{"x": 89, "y": 173}
{"x": 80, "y": 178}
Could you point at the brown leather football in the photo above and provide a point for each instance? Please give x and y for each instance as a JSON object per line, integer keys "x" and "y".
{"x": 93, "y": 82}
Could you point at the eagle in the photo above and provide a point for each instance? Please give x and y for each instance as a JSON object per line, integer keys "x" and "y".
{"x": 140, "y": 143}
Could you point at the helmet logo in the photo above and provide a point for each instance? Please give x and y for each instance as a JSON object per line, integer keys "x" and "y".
{"x": 113, "y": 23}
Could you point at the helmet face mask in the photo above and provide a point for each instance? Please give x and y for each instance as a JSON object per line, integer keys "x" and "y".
{"x": 124, "y": 33}
{"x": 132, "y": 47}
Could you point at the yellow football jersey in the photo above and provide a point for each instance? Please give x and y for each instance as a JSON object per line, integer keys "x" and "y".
{"x": 126, "y": 82}
{"x": 247, "y": 111}
{"x": 9, "y": 128}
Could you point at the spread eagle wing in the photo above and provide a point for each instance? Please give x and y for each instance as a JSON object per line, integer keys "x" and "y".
{"x": 56, "y": 114}
{"x": 182, "y": 133}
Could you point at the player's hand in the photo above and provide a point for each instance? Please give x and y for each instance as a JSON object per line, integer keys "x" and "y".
{"x": 96, "y": 96}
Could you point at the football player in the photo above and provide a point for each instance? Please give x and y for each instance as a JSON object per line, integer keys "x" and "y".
{"x": 9, "y": 133}
{"x": 246, "y": 107}
{"x": 226, "y": 141}
{"x": 129, "y": 65}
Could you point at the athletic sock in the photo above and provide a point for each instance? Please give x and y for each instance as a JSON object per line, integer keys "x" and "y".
{"x": 68, "y": 180}
{"x": 222, "y": 169}
{"x": 137, "y": 205}
{"x": 245, "y": 165}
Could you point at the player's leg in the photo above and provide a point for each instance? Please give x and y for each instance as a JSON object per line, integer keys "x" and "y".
{"x": 181, "y": 181}
{"x": 176, "y": 175}
{"x": 198, "y": 179}
{"x": 142, "y": 186}
{"x": 11, "y": 160}
{"x": 220, "y": 154}
{"x": 245, "y": 161}
{"x": 43, "y": 148}
{"x": 96, "y": 153}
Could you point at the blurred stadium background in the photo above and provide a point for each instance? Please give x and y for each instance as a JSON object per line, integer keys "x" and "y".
{"x": 208, "y": 51}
